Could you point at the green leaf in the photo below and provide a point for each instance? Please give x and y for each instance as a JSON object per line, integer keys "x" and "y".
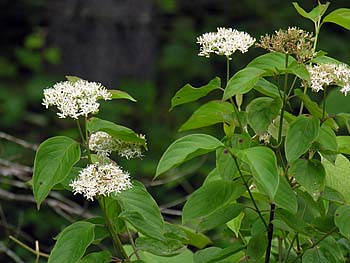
{"x": 195, "y": 238}
{"x": 116, "y": 131}
{"x": 337, "y": 175}
{"x": 263, "y": 165}
{"x": 302, "y": 132}
{"x": 341, "y": 220}
{"x": 257, "y": 245}
{"x": 315, "y": 14}
{"x": 215, "y": 254}
{"x": 340, "y": 17}
{"x": 285, "y": 197}
{"x": 188, "y": 93}
{"x": 311, "y": 106}
{"x": 261, "y": 112}
{"x": 267, "y": 88}
{"x": 186, "y": 257}
{"x": 140, "y": 210}
{"x": 242, "y": 82}
{"x": 225, "y": 164}
{"x": 211, "y": 197}
{"x": 167, "y": 247}
{"x": 314, "y": 255}
{"x": 73, "y": 79}
{"x": 235, "y": 224}
{"x": 54, "y": 160}
{"x": 97, "y": 257}
{"x": 119, "y": 94}
{"x": 333, "y": 195}
{"x": 208, "y": 114}
{"x": 185, "y": 149}
{"x": 311, "y": 175}
{"x": 327, "y": 139}
{"x": 343, "y": 143}
{"x": 72, "y": 242}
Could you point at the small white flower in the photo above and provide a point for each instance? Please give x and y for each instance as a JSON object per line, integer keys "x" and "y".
{"x": 329, "y": 74}
{"x": 102, "y": 143}
{"x": 74, "y": 99}
{"x": 224, "y": 42}
{"x": 129, "y": 150}
{"x": 101, "y": 180}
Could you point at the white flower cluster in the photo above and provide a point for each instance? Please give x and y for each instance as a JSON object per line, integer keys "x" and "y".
{"x": 330, "y": 74}
{"x": 224, "y": 42}
{"x": 74, "y": 99}
{"x": 101, "y": 180}
{"x": 103, "y": 144}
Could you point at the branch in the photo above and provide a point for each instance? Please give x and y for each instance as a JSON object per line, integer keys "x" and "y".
{"x": 18, "y": 141}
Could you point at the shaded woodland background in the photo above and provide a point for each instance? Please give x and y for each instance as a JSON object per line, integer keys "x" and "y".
{"x": 146, "y": 48}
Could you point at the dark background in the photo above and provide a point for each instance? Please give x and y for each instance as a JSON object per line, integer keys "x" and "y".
{"x": 147, "y": 48}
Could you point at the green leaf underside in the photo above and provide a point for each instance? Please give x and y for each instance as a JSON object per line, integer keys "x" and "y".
{"x": 208, "y": 114}
{"x": 211, "y": 197}
{"x": 337, "y": 175}
{"x": 116, "y": 131}
{"x": 54, "y": 160}
{"x": 188, "y": 93}
{"x": 311, "y": 175}
{"x": 302, "y": 132}
{"x": 341, "y": 219}
{"x": 263, "y": 165}
{"x": 140, "y": 210}
{"x": 311, "y": 106}
{"x": 242, "y": 82}
{"x": 185, "y": 149}
{"x": 119, "y": 94}
{"x": 261, "y": 112}
{"x": 215, "y": 254}
{"x": 340, "y": 17}
{"x": 285, "y": 197}
{"x": 96, "y": 257}
{"x": 72, "y": 242}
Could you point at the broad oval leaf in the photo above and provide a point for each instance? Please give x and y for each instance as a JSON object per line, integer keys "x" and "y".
{"x": 208, "y": 114}
{"x": 327, "y": 140}
{"x": 140, "y": 210}
{"x": 211, "y": 197}
{"x": 263, "y": 165}
{"x": 188, "y": 93}
{"x": 242, "y": 82}
{"x": 72, "y": 243}
{"x": 267, "y": 88}
{"x": 119, "y": 94}
{"x": 343, "y": 143}
{"x": 215, "y": 254}
{"x": 225, "y": 165}
{"x": 167, "y": 247}
{"x": 186, "y": 148}
{"x": 314, "y": 255}
{"x": 340, "y": 17}
{"x": 261, "y": 112}
{"x": 97, "y": 257}
{"x": 53, "y": 162}
{"x": 285, "y": 197}
{"x": 311, "y": 175}
{"x": 117, "y": 131}
{"x": 341, "y": 220}
{"x": 257, "y": 246}
{"x": 302, "y": 132}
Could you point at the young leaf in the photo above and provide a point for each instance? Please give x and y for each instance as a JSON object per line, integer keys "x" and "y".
{"x": 242, "y": 82}
{"x": 72, "y": 242}
{"x": 215, "y": 254}
{"x": 188, "y": 93}
{"x": 263, "y": 165}
{"x": 340, "y": 17}
{"x": 261, "y": 112}
{"x": 315, "y": 14}
{"x": 116, "y": 131}
{"x": 302, "y": 132}
{"x": 211, "y": 197}
{"x": 235, "y": 224}
{"x": 311, "y": 175}
{"x": 337, "y": 175}
{"x": 341, "y": 220}
{"x": 73, "y": 79}
{"x": 208, "y": 114}
{"x": 285, "y": 197}
{"x": 140, "y": 210}
{"x": 53, "y": 162}
{"x": 119, "y": 94}
{"x": 185, "y": 149}
{"x": 97, "y": 257}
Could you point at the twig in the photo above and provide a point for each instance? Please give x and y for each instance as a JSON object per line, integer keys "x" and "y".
{"x": 10, "y": 253}
{"x": 41, "y": 254}
{"x": 18, "y": 141}
{"x": 270, "y": 234}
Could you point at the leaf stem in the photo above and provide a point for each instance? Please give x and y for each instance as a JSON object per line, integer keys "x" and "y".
{"x": 250, "y": 193}
{"x": 80, "y": 132}
{"x": 35, "y": 252}
{"x": 87, "y": 141}
{"x": 270, "y": 234}
{"x": 132, "y": 243}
